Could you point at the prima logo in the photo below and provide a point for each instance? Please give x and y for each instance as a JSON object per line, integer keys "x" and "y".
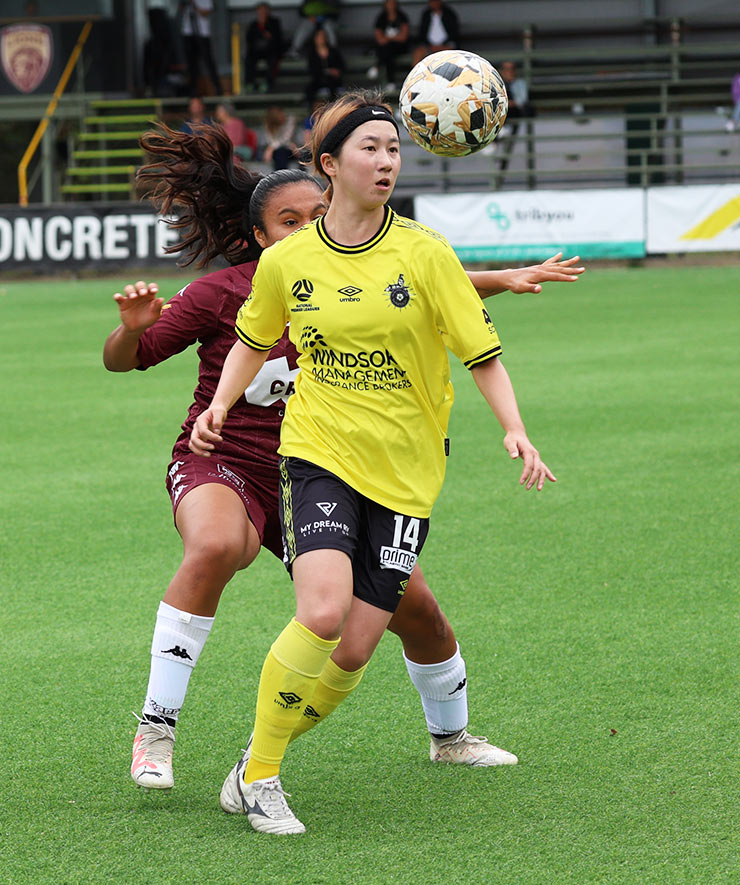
{"x": 302, "y": 289}
{"x": 326, "y": 508}
{"x": 310, "y": 337}
{"x": 398, "y": 293}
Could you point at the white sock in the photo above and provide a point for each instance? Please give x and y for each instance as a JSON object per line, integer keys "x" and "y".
{"x": 444, "y": 694}
{"x": 178, "y": 640}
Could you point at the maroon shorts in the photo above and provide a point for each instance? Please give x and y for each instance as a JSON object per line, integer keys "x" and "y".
{"x": 257, "y": 488}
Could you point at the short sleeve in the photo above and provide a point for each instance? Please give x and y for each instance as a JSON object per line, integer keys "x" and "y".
{"x": 460, "y": 315}
{"x": 189, "y": 316}
{"x": 262, "y": 318}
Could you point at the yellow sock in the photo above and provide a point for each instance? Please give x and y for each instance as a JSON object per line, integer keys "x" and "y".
{"x": 289, "y": 676}
{"x": 333, "y": 687}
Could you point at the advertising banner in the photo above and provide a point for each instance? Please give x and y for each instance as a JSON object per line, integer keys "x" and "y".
{"x": 75, "y": 237}
{"x": 693, "y": 218}
{"x": 532, "y": 225}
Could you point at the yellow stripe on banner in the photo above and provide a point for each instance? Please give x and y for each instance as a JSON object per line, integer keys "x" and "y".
{"x": 715, "y": 223}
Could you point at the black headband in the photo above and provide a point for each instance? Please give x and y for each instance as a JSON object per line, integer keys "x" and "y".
{"x": 336, "y": 136}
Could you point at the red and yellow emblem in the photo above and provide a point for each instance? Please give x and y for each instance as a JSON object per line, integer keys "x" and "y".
{"x": 26, "y": 52}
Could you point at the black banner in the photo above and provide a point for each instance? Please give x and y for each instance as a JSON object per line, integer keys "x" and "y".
{"x": 86, "y": 236}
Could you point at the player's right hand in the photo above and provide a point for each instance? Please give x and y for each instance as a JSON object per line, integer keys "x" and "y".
{"x": 207, "y": 431}
{"x": 139, "y": 306}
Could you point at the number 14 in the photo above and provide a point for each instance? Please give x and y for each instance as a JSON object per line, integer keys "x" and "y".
{"x": 411, "y": 536}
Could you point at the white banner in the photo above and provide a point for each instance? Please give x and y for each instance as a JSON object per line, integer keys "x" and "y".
{"x": 519, "y": 225}
{"x": 694, "y": 218}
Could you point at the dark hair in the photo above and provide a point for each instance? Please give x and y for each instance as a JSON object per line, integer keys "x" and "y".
{"x": 195, "y": 175}
{"x": 267, "y": 187}
{"x": 222, "y": 202}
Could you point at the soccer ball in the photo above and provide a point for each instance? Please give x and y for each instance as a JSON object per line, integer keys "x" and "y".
{"x": 453, "y": 103}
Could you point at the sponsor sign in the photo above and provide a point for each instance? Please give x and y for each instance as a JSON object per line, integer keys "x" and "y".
{"x": 693, "y": 218}
{"x": 26, "y": 52}
{"x": 532, "y": 225}
{"x": 83, "y": 237}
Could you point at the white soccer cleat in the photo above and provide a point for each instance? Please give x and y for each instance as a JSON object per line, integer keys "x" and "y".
{"x": 464, "y": 749}
{"x": 231, "y": 791}
{"x": 151, "y": 763}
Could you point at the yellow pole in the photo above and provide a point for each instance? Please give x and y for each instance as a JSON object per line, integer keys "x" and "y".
{"x": 236, "y": 68}
{"x": 48, "y": 114}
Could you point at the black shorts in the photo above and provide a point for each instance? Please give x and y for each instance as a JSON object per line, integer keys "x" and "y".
{"x": 319, "y": 511}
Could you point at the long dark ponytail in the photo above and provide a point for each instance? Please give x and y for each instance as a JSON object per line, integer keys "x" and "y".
{"x": 195, "y": 177}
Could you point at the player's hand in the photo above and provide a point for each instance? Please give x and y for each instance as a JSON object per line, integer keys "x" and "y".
{"x": 554, "y": 270}
{"x": 207, "y": 431}
{"x": 139, "y": 306}
{"x": 535, "y": 471}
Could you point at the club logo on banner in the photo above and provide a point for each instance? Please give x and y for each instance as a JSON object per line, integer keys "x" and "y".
{"x": 26, "y": 52}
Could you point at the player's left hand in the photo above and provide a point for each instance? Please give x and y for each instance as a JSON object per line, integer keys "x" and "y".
{"x": 554, "y": 270}
{"x": 535, "y": 471}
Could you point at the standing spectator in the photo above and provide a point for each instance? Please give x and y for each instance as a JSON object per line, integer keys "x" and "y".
{"x": 439, "y": 28}
{"x": 196, "y": 40}
{"x": 315, "y": 14}
{"x": 279, "y": 138}
{"x": 158, "y": 49}
{"x": 734, "y": 123}
{"x": 517, "y": 92}
{"x": 391, "y": 40}
{"x": 264, "y": 41}
{"x": 196, "y": 115}
{"x": 241, "y": 136}
{"x": 325, "y": 68}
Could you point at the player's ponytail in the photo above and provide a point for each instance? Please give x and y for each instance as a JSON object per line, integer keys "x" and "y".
{"x": 328, "y": 117}
{"x": 195, "y": 177}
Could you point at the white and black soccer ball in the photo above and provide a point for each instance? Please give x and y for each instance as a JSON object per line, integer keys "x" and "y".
{"x": 453, "y": 103}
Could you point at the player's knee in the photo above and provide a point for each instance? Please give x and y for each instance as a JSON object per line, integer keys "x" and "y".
{"x": 420, "y": 616}
{"x": 217, "y": 553}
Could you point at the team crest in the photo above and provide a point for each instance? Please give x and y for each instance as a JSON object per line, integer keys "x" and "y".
{"x": 26, "y": 52}
{"x": 398, "y": 293}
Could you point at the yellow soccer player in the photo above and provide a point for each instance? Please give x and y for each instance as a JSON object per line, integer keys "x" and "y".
{"x": 372, "y": 300}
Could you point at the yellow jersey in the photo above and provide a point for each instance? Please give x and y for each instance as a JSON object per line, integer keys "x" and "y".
{"x": 370, "y": 323}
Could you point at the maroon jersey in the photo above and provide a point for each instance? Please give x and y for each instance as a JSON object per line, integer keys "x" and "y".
{"x": 205, "y": 311}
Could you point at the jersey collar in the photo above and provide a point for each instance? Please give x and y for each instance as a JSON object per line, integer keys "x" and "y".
{"x": 362, "y": 247}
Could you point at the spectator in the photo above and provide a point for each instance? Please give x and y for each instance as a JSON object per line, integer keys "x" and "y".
{"x": 264, "y": 41}
{"x": 734, "y": 123}
{"x": 280, "y": 148}
{"x": 315, "y": 14}
{"x": 196, "y": 41}
{"x": 439, "y": 28}
{"x": 158, "y": 49}
{"x": 242, "y": 137}
{"x": 325, "y": 68}
{"x": 196, "y": 115}
{"x": 517, "y": 92}
{"x": 391, "y": 40}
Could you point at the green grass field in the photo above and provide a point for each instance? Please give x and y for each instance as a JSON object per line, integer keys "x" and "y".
{"x": 599, "y": 619}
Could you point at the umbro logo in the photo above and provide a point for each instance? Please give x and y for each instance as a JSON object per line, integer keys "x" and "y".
{"x": 177, "y": 652}
{"x": 290, "y": 697}
{"x": 302, "y": 289}
{"x": 460, "y": 686}
{"x": 309, "y": 711}
{"x": 404, "y": 585}
{"x": 326, "y": 508}
{"x": 349, "y": 291}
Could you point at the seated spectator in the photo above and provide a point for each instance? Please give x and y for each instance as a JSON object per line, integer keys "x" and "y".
{"x": 242, "y": 137}
{"x": 439, "y": 28}
{"x": 279, "y": 138}
{"x": 325, "y": 68}
{"x": 391, "y": 40}
{"x": 196, "y": 114}
{"x": 517, "y": 92}
{"x": 265, "y": 42}
{"x": 315, "y": 14}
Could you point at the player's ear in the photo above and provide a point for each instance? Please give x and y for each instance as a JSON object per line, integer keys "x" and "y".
{"x": 259, "y": 235}
{"x": 328, "y": 164}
